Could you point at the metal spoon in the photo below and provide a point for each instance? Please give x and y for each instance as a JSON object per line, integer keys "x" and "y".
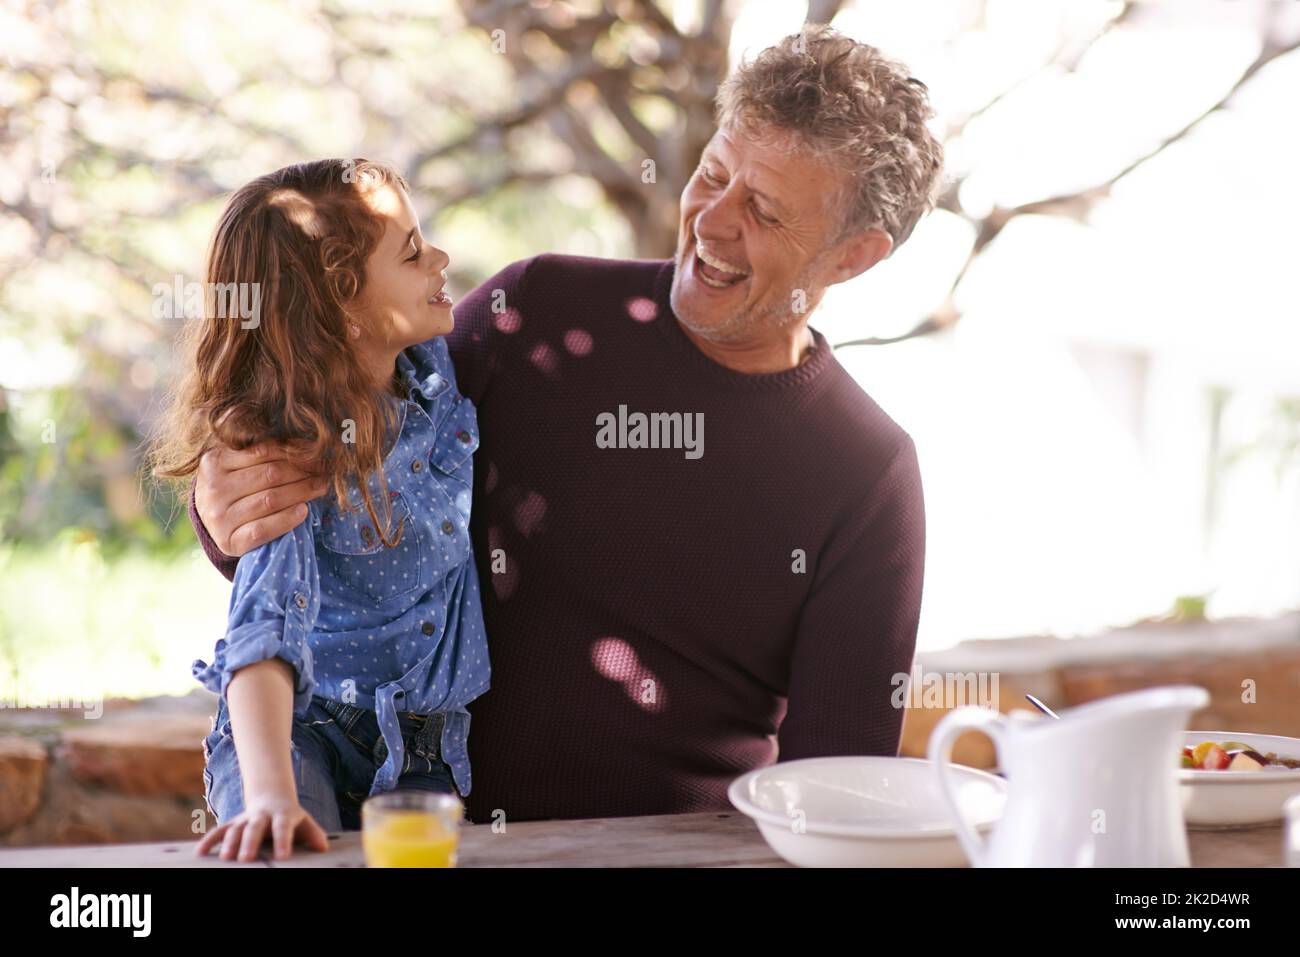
{"x": 1042, "y": 707}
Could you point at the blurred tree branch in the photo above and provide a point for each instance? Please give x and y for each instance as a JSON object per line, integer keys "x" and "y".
{"x": 607, "y": 62}
{"x": 657, "y": 59}
{"x": 590, "y": 90}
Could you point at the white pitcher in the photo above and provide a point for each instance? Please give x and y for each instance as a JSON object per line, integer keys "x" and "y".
{"x": 1097, "y": 788}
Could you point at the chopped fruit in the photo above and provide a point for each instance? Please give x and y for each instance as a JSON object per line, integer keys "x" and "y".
{"x": 1201, "y": 751}
{"x": 1233, "y": 756}
{"x": 1216, "y": 759}
{"x": 1244, "y": 762}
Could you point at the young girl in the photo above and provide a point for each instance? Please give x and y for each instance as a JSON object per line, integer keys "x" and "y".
{"x": 355, "y": 640}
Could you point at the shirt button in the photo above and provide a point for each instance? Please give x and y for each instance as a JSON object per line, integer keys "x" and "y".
{"x": 300, "y": 599}
{"x": 448, "y": 527}
{"x": 417, "y": 465}
{"x": 427, "y": 628}
{"x": 464, "y": 436}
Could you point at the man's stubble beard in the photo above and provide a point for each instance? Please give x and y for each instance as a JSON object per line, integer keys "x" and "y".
{"x": 743, "y": 324}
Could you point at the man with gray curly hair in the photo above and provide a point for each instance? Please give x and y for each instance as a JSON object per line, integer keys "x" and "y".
{"x": 664, "y": 615}
{"x": 821, "y": 166}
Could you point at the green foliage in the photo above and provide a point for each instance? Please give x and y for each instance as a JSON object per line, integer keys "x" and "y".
{"x": 66, "y": 467}
{"x": 1189, "y": 607}
{"x": 78, "y": 619}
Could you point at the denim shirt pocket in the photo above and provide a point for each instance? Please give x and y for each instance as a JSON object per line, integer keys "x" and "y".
{"x": 458, "y": 440}
{"x": 357, "y": 557}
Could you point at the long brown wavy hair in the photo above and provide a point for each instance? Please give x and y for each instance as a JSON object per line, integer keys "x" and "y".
{"x": 303, "y": 234}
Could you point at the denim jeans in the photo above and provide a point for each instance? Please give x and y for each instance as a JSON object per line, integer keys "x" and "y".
{"x": 336, "y": 749}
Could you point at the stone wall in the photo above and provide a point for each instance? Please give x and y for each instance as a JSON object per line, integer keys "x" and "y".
{"x": 132, "y": 774}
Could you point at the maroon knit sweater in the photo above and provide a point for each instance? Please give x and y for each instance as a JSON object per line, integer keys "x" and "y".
{"x": 659, "y": 622}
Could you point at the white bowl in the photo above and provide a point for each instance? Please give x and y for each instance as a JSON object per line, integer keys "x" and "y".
{"x": 864, "y": 811}
{"x": 1214, "y": 799}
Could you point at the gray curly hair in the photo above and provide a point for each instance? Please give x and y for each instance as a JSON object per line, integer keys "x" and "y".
{"x": 853, "y": 107}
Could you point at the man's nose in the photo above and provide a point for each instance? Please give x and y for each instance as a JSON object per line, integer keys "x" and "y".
{"x": 718, "y": 221}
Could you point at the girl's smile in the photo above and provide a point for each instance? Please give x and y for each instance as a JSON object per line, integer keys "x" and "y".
{"x": 405, "y": 300}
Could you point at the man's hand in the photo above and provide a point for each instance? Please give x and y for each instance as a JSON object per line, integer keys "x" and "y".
{"x": 248, "y": 498}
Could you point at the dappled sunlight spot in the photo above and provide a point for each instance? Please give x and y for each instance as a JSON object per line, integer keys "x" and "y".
{"x": 300, "y": 210}
{"x": 529, "y": 514}
{"x": 578, "y": 342}
{"x": 543, "y": 356}
{"x": 642, "y": 309}
{"x": 615, "y": 659}
{"x": 508, "y": 321}
{"x": 503, "y": 566}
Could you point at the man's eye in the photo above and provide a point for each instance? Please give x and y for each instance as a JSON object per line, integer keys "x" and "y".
{"x": 764, "y": 217}
{"x": 709, "y": 176}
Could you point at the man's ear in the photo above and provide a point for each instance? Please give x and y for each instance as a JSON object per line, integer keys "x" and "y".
{"x": 858, "y": 253}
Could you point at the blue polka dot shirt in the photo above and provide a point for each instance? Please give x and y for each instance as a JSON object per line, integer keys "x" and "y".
{"x": 390, "y": 629}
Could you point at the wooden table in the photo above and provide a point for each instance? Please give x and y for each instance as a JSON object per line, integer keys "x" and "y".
{"x": 707, "y": 839}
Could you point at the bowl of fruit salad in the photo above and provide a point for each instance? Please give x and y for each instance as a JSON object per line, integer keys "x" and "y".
{"x": 1231, "y": 779}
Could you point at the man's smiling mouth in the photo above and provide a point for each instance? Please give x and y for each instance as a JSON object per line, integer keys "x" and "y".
{"x": 716, "y": 272}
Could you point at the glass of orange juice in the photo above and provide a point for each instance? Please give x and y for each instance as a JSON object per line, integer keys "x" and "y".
{"x": 407, "y": 828}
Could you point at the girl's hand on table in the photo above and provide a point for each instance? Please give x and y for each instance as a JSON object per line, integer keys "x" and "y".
{"x": 279, "y": 815}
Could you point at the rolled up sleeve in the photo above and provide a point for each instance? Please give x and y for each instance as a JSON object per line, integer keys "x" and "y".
{"x": 273, "y": 608}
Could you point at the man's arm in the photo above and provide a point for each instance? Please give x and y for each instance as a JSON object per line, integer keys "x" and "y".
{"x": 858, "y": 627}
{"x": 226, "y": 564}
{"x": 242, "y": 499}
